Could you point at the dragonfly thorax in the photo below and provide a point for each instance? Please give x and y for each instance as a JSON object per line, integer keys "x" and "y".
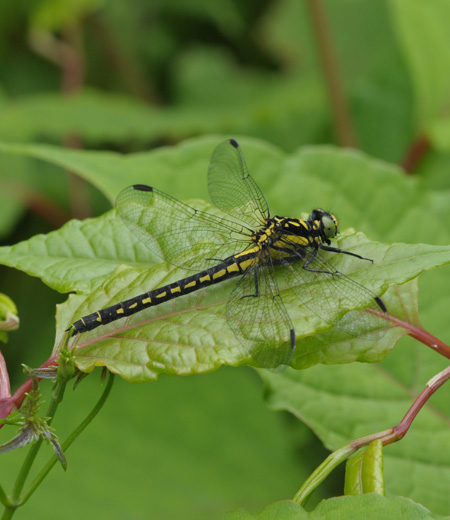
{"x": 320, "y": 226}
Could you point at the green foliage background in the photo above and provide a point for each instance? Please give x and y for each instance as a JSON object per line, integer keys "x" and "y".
{"x": 136, "y": 78}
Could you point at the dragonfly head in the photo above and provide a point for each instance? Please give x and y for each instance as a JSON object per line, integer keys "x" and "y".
{"x": 327, "y": 224}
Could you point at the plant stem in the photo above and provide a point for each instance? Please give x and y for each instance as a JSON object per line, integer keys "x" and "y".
{"x": 4, "y": 499}
{"x": 72, "y": 80}
{"x": 5, "y": 388}
{"x": 389, "y": 436}
{"x": 8, "y": 513}
{"x": 16, "y": 400}
{"x": 321, "y": 472}
{"x": 46, "y": 469}
{"x": 57, "y": 394}
{"x": 339, "y": 107}
{"x": 419, "y": 148}
{"x": 418, "y": 333}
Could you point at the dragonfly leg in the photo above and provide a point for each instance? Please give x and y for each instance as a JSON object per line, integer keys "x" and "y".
{"x": 310, "y": 259}
{"x": 338, "y": 250}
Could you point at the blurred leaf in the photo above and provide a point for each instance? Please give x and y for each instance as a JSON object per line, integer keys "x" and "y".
{"x": 433, "y": 168}
{"x": 356, "y": 187}
{"x": 439, "y": 133}
{"x": 207, "y": 456}
{"x": 15, "y": 173}
{"x": 111, "y": 172}
{"x": 54, "y": 116}
{"x": 9, "y": 319}
{"x": 422, "y": 31}
{"x": 364, "y": 471}
{"x": 369, "y": 507}
{"x": 373, "y": 71}
{"x": 350, "y": 184}
{"x": 249, "y": 103}
{"x": 345, "y": 402}
{"x": 285, "y": 29}
{"x": 53, "y": 15}
{"x": 382, "y": 106}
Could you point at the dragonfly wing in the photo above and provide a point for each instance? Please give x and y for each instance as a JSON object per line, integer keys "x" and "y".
{"x": 180, "y": 234}
{"x": 256, "y": 313}
{"x": 329, "y": 294}
{"x": 231, "y": 187}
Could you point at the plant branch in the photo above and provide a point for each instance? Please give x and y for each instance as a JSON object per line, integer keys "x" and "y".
{"x": 65, "y": 445}
{"x": 418, "y": 333}
{"x": 119, "y": 59}
{"x": 56, "y": 398}
{"x": 5, "y": 388}
{"x": 339, "y": 107}
{"x": 72, "y": 79}
{"x": 419, "y": 148}
{"x": 4, "y": 499}
{"x": 16, "y": 400}
{"x": 388, "y": 436}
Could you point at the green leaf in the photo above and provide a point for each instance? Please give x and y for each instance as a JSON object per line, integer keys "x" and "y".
{"x": 186, "y": 336}
{"x": 422, "y": 31}
{"x": 53, "y": 15}
{"x": 80, "y": 255}
{"x": 345, "y": 402}
{"x": 111, "y": 172}
{"x": 264, "y": 106}
{"x": 8, "y": 313}
{"x": 351, "y": 184}
{"x": 364, "y": 471}
{"x": 9, "y": 320}
{"x": 369, "y": 507}
{"x": 207, "y": 455}
{"x": 190, "y": 335}
{"x": 439, "y": 133}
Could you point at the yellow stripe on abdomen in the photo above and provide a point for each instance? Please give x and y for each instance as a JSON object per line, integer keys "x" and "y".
{"x": 219, "y": 274}
{"x": 233, "y": 268}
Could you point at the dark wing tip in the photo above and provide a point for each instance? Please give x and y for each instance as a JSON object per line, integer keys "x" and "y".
{"x": 380, "y": 303}
{"x": 293, "y": 338}
{"x": 234, "y": 143}
{"x": 142, "y": 187}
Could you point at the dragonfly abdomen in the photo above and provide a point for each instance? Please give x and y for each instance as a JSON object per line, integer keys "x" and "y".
{"x": 230, "y": 268}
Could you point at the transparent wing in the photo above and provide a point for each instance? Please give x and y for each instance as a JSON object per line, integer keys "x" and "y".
{"x": 231, "y": 187}
{"x": 181, "y": 235}
{"x": 259, "y": 318}
{"x": 329, "y": 294}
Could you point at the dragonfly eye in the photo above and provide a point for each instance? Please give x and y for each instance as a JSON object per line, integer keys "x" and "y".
{"x": 329, "y": 226}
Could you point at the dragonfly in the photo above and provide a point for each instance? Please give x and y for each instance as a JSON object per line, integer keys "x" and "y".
{"x": 243, "y": 242}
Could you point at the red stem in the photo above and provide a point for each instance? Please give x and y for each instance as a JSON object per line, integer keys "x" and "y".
{"x": 419, "y": 148}
{"x": 418, "y": 333}
{"x": 5, "y": 389}
{"x": 7, "y": 405}
{"x": 400, "y": 430}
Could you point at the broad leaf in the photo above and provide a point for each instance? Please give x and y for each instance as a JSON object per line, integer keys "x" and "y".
{"x": 80, "y": 255}
{"x": 369, "y": 507}
{"x": 342, "y": 403}
{"x": 190, "y": 334}
{"x": 422, "y": 30}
